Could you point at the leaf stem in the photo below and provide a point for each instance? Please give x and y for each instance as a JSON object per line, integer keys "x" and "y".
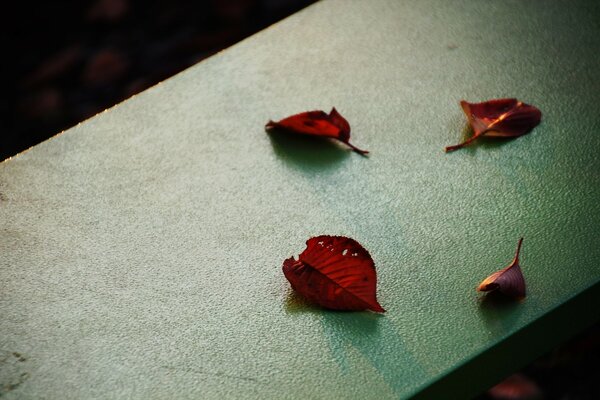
{"x": 516, "y": 260}
{"x": 356, "y": 149}
{"x": 463, "y": 144}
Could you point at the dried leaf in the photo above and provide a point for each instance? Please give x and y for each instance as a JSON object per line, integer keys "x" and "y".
{"x": 508, "y": 281}
{"x": 335, "y": 272}
{"x": 516, "y": 387}
{"x": 317, "y": 123}
{"x": 499, "y": 118}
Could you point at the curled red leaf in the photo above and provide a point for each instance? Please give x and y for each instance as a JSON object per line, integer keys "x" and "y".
{"x": 508, "y": 281}
{"x": 335, "y": 272}
{"x": 317, "y": 123}
{"x": 499, "y": 118}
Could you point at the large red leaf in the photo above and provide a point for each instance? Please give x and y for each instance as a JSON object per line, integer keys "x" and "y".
{"x": 499, "y": 118}
{"x": 317, "y": 123}
{"x": 508, "y": 281}
{"x": 335, "y": 272}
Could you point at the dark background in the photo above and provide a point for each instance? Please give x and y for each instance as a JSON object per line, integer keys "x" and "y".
{"x": 66, "y": 60}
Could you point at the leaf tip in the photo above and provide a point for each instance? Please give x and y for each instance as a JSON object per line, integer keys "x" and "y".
{"x": 270, "y": 125}
{"x": 377, "y": 308}
{"x": 488, "y": 284}
{"x": 449, "y": 149}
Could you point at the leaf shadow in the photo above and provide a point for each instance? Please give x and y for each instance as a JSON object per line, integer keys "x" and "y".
{"x": 353, "y": 325}
{"x": 307, "y": 153}
{"x": 294, "y": 303}
{"x": 348, "y": 322}
{"x": 372, "y": 336}
{"x": 369, "y": 334}
{"x": 498, "y": 311}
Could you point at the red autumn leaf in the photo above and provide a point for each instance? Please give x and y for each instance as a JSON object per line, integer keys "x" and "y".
{"x": 508, "y": 281}
{"x": 516, "y": 387}
{"x": 317, "y": 123}
{"x": 499, "y": 118}
{"x": 335, "y": 272}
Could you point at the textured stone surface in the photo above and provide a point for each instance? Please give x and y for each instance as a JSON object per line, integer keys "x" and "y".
{"x": 141, "y": 251}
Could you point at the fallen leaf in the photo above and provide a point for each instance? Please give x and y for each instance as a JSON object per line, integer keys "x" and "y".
{"x": 317, "y": 123}
{"x": 499, "y": 118}
{"x": 508, "y": 281}
{"x": 335, "y": 272}
{"x": 516, "y": 387}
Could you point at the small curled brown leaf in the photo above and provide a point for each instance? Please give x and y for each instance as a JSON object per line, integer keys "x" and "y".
{"x": 499, "y": 118}
{"x": 508, "y": 281}
{"x": 319, "y": 124}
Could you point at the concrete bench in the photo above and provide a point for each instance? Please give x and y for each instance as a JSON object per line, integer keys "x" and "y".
{"x": 141, "y": 251}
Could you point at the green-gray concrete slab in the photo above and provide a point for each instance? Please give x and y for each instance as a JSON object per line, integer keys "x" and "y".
{"x": 141, "y": 250}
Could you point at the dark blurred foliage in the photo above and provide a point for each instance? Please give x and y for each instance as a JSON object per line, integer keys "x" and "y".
{"x": 569, "y": 372}
{"x": 67, "y": 60}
